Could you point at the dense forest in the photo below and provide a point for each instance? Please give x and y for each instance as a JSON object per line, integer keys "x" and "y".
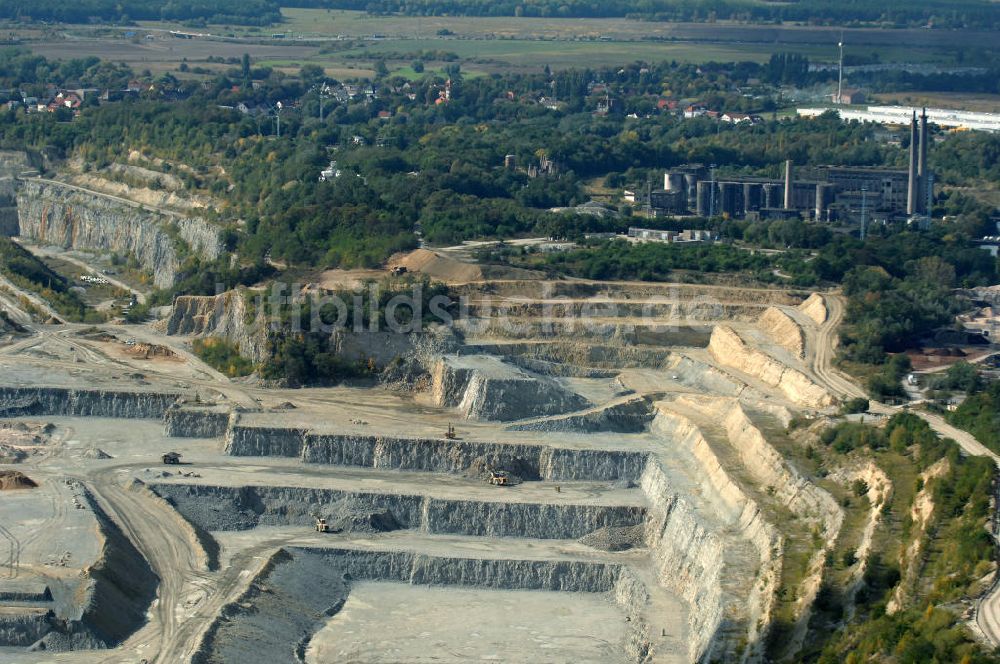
{"x": 246, "y": 12}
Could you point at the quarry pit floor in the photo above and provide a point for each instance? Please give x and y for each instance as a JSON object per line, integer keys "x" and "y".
{"x": 380, "y": 620}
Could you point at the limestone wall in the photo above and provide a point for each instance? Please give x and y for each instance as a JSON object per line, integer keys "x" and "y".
{"x": 730, "y": 350}
{"x": 530, "y": 461}
{"x": 815, "y": 308}
{"x": 723, "y": 556}
{"x": 484, "y": 388}
{"x": 57, "y": 214}
{"x": 785, "y": 332}
{"x": 242, "y": 508}
{"x": 16, "y": 401}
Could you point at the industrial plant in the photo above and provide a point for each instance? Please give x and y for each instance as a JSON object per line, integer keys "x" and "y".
{"x": 824, "y": 194}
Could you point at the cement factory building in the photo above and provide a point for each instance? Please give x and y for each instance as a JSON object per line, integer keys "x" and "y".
{"x": 826, "y": 193}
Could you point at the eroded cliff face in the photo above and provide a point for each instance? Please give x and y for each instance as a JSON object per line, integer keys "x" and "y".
{"x": 784, "y": 331}
{"x": 227, "y": 316}
{"x": 815, "y": 307}
{"x": 242, "y": 508}
{"x": 482, "y": 387}
{"x": 716, "y": 550}
{"x": 730, "y": 350}
{"x": 58, "y": 214}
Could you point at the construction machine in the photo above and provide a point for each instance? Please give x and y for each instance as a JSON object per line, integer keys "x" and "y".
{"x": 172, "y": 458}
{"x": 499, "y": 478}
{"x": 322, "y": 526}
{"x": 450, "y": 433}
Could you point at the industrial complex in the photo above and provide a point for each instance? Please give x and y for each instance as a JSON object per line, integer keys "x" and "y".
{"x": 827, "y": 193}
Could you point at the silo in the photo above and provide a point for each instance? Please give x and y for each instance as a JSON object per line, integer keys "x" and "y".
{"x": 704, "y": 198}
{"x": 753, "y": 197}
{"x": 824, "y": 196}
{"x": 674, "y": 182}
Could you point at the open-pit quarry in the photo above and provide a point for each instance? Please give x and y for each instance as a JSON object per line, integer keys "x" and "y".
{"x": 571, "y": 472}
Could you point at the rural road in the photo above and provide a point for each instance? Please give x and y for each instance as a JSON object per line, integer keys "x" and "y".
{"x": 987, "y": 611}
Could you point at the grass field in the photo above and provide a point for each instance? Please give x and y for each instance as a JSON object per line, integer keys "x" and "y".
{"x": 347, "y": 43}
{"x": 966, "y": 101}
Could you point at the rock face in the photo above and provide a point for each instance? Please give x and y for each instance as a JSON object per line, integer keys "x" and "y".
{"x": 235, "y": 317}
{"x": 17, "y": 401}
{"x": 717, "y": 551}
{"x": 192, "y": 422}
{"x": 784, "y": 331}
{"x": 59, "y": 214}
{"x": 226, "y": 316}
{"x": 485, "y": 388}
{"x": 24, "y": 628}
{"x": 290, "y": 578}
{"x": 242, "y": 508}
{"x": 730, "y": 350}
{"x": 815, "y": 307}
{"x": 436, "y": 455}
{"x": 628, "y": 416}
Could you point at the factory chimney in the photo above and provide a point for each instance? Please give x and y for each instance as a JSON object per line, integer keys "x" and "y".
{"x": 911, "y": 193}
{"x": 788, "y": 184}
{"x": 840, "y": 75}
{"x": 922, "y": 173}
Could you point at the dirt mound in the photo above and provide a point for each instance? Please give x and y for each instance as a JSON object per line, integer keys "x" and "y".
{"x": 8, "y": 325}
{"x": 25, "y": 434}
{"x": 10, "y": 454}
{"x": 815, "y": 307}
{"x": 96, "y": 453}
{"x": 614, "y": 538}
{"x": 442, "y": 268}
{"x": 436, "y": 266}
{"x": 14, "y": 479}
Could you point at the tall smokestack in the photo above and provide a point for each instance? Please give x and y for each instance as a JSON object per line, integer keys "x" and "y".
{"x": 922, "y": 164}
{"x": 911, "y": 192}
{"x": 840, "y": 76}
{"x": 788, "y": 184}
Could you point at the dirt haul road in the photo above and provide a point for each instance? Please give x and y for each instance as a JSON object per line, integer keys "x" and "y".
{"x": 189, "y": 596}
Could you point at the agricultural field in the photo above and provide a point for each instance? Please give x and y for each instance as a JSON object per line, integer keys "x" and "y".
{"x": 347, "y": 43}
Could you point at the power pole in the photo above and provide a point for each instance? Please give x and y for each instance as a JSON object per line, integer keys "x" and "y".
{"x": 277, "y": 117}
{"x": 324, "y": 90}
